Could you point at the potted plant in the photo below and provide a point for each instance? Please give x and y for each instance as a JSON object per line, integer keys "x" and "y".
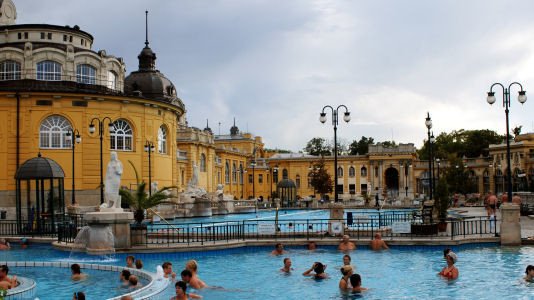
{"x": 442, "y": 203}
{"x": 139, "y": 200}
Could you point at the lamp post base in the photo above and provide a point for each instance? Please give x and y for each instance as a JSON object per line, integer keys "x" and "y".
{"x": 510, "y": 226}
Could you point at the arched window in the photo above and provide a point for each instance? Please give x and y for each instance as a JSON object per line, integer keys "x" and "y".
{"x": 9, "y": 70}
{"x": 352, "y": 172}
{"x": 52, "y": 133}
{"x": 86, "y": 74}
{"x": 202, "y": 162}
{"x": 297, "y": 181}
{"x": 48, "y": 70}
{"x": 310, "y": 177}
{"x": 112, "y": 80}
{"x": 234, "y": 173}
{"x": 339, "y": 172}
{"x": 363, "y": 172}
{"x": 162, "y": 140}
{"x": 227, "y": 173}
{"x": 284, "y": 174}
{"x": 121, "y": 138}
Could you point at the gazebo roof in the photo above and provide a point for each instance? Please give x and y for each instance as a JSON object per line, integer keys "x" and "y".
{"x": 39, "y": 168}
{"x": 286, "y": 183}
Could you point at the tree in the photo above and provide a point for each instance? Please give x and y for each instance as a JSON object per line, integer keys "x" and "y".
{"x": 388, "y": 144}
{"x": 517, "y": 130}
{"x": 320, "y": 180}
{"x": 318, "y": 146}
{"x": 361, "y": 146}
{"x": 139, "y": 199}
{"x": 460, "y": 143}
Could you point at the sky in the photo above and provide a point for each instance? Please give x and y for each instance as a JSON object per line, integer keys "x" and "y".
{"x": 274, "y": 64}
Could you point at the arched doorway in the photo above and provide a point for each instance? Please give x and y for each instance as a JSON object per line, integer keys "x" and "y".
{"x": 392, "y": 182}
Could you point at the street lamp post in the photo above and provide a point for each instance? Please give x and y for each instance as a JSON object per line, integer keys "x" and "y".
{"x": 522, "y": 98}
{"x": 77, "y": 139}
{"x": 335, "y": 122}
{"x": 149, "y": 148}
{"x": 92, "y": 130}
{"x": 428, "y": 123}
{"x": 253, "y": 165}
{"x": 439, "y": 163}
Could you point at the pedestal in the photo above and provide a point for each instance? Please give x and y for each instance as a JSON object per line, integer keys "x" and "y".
{"x": 510, "y": 226}
{"x": 336, "y": 223}
{"x": 119, "y": 221}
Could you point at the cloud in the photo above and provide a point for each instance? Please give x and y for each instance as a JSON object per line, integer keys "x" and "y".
{"x": 274, "y": 64}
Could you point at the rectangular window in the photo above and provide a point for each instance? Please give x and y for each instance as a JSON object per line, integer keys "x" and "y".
{"x": 26, "y": 35}
{"x": 64, "y": 37}
{"x": 42, "y": 35}
{"x": 81, "y": 41}
{"x": 20, "y": 35}
{"x": 43, "y": 102}
{"x": 70, "y": 38}
{"x": 49, "y": 35}
{"x": 352, "y": 189}
{"x": 79, "y": 103}
{"x": 260, "y": 178}
{"x": 250, "y": 178}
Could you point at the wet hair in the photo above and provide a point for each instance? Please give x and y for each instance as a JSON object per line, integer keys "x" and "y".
{"x": 165, "y": 265}
{"x": 182, "y": 285}
{"x": 133, "y": 280}
{"x": 126, "y": 274}
{"x": 319, "y": 268}
{"x": 348, "y": 256}
{"x": 186, "y": 273}
{"x": 75, "y": 268}
{"x": 130, "y": 257}
{"x": 4, "y": 268}
{"x": 446, "y": 252}
{"x": 286, "y": 259}
{"x": 192, "y": 265}
{"x": 138, "y": 264}
{"x": 79, "y": 296}
{"x": 345, "y": 270}
{"x": 355, "y": 280}
{"x": 278, "y": 245}
{"x": 529, "y": 268}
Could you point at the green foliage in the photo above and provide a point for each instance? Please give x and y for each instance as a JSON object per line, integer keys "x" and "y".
{"x": 517, "y": 130}
{"x": 361, "y": 146}
{"x": 388, "y": 144}
{"x": 460, "y": 143}
{"x": 318, "y": 146}
{"x": 276, "y": 150}
{"x": 320, "y": 179}
{"x": 442, "y": 197}
{"x": 139, "y": 199}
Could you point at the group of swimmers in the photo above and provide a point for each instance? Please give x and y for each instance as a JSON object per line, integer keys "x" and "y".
{"x": 189, "y": 277}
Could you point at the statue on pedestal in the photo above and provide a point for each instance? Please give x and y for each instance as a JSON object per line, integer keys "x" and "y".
{"x": 113, "y": 182}
{"x": 193, "y": 183}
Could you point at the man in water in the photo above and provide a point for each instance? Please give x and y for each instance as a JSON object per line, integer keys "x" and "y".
{"x": 377, "y": 243}
{"x": 167, "y": 270}
{"x": 77, "y": 274}
{"x": 130, "y": 261}
{"x": 287, "y": 265}
{"x": 278, "y": 250}
{"x": 346, "y": 244}
{"x": 312, "y": 245}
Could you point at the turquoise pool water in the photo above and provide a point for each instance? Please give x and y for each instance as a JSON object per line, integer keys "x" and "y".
{"x": 486, "y": 271}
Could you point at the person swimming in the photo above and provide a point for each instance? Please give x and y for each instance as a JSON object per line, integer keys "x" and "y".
{"x": 529, "y": 277}
{"x": 356, "y": 281}
{"x": 344, "y": 282}
{"x": 287, "y": 265}
{"x": 319, "y": 271}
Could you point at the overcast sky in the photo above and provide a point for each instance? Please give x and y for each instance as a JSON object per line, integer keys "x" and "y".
{"x": 274, "y": 64}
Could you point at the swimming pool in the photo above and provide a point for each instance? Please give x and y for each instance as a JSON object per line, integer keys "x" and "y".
{"x": 486, "y": 271}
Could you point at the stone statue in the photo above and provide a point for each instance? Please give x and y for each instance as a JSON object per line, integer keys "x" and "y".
{"x": 113, "y": 182}
{"x": 193, "y": 183}
{"x": 154, "y": 188}
{"x": 220, "y": 192}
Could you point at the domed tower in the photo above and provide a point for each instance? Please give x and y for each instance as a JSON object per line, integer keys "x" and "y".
{"x": 150, "y": 83}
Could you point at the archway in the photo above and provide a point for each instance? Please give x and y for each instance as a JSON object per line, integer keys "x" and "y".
{"x": 392, "y": 182}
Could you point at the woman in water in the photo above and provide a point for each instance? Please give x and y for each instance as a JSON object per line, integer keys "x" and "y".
{"x": 344, "y": 282}
{"x": 529, "y": 277}
{"x": 450, "y": 271}
{"x": 318, "y": 268}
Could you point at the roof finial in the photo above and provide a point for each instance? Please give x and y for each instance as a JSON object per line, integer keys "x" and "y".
{"x": 146, "y": 28}
{"x": 207, "y": 124}
{"x": 234, "y": 121}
